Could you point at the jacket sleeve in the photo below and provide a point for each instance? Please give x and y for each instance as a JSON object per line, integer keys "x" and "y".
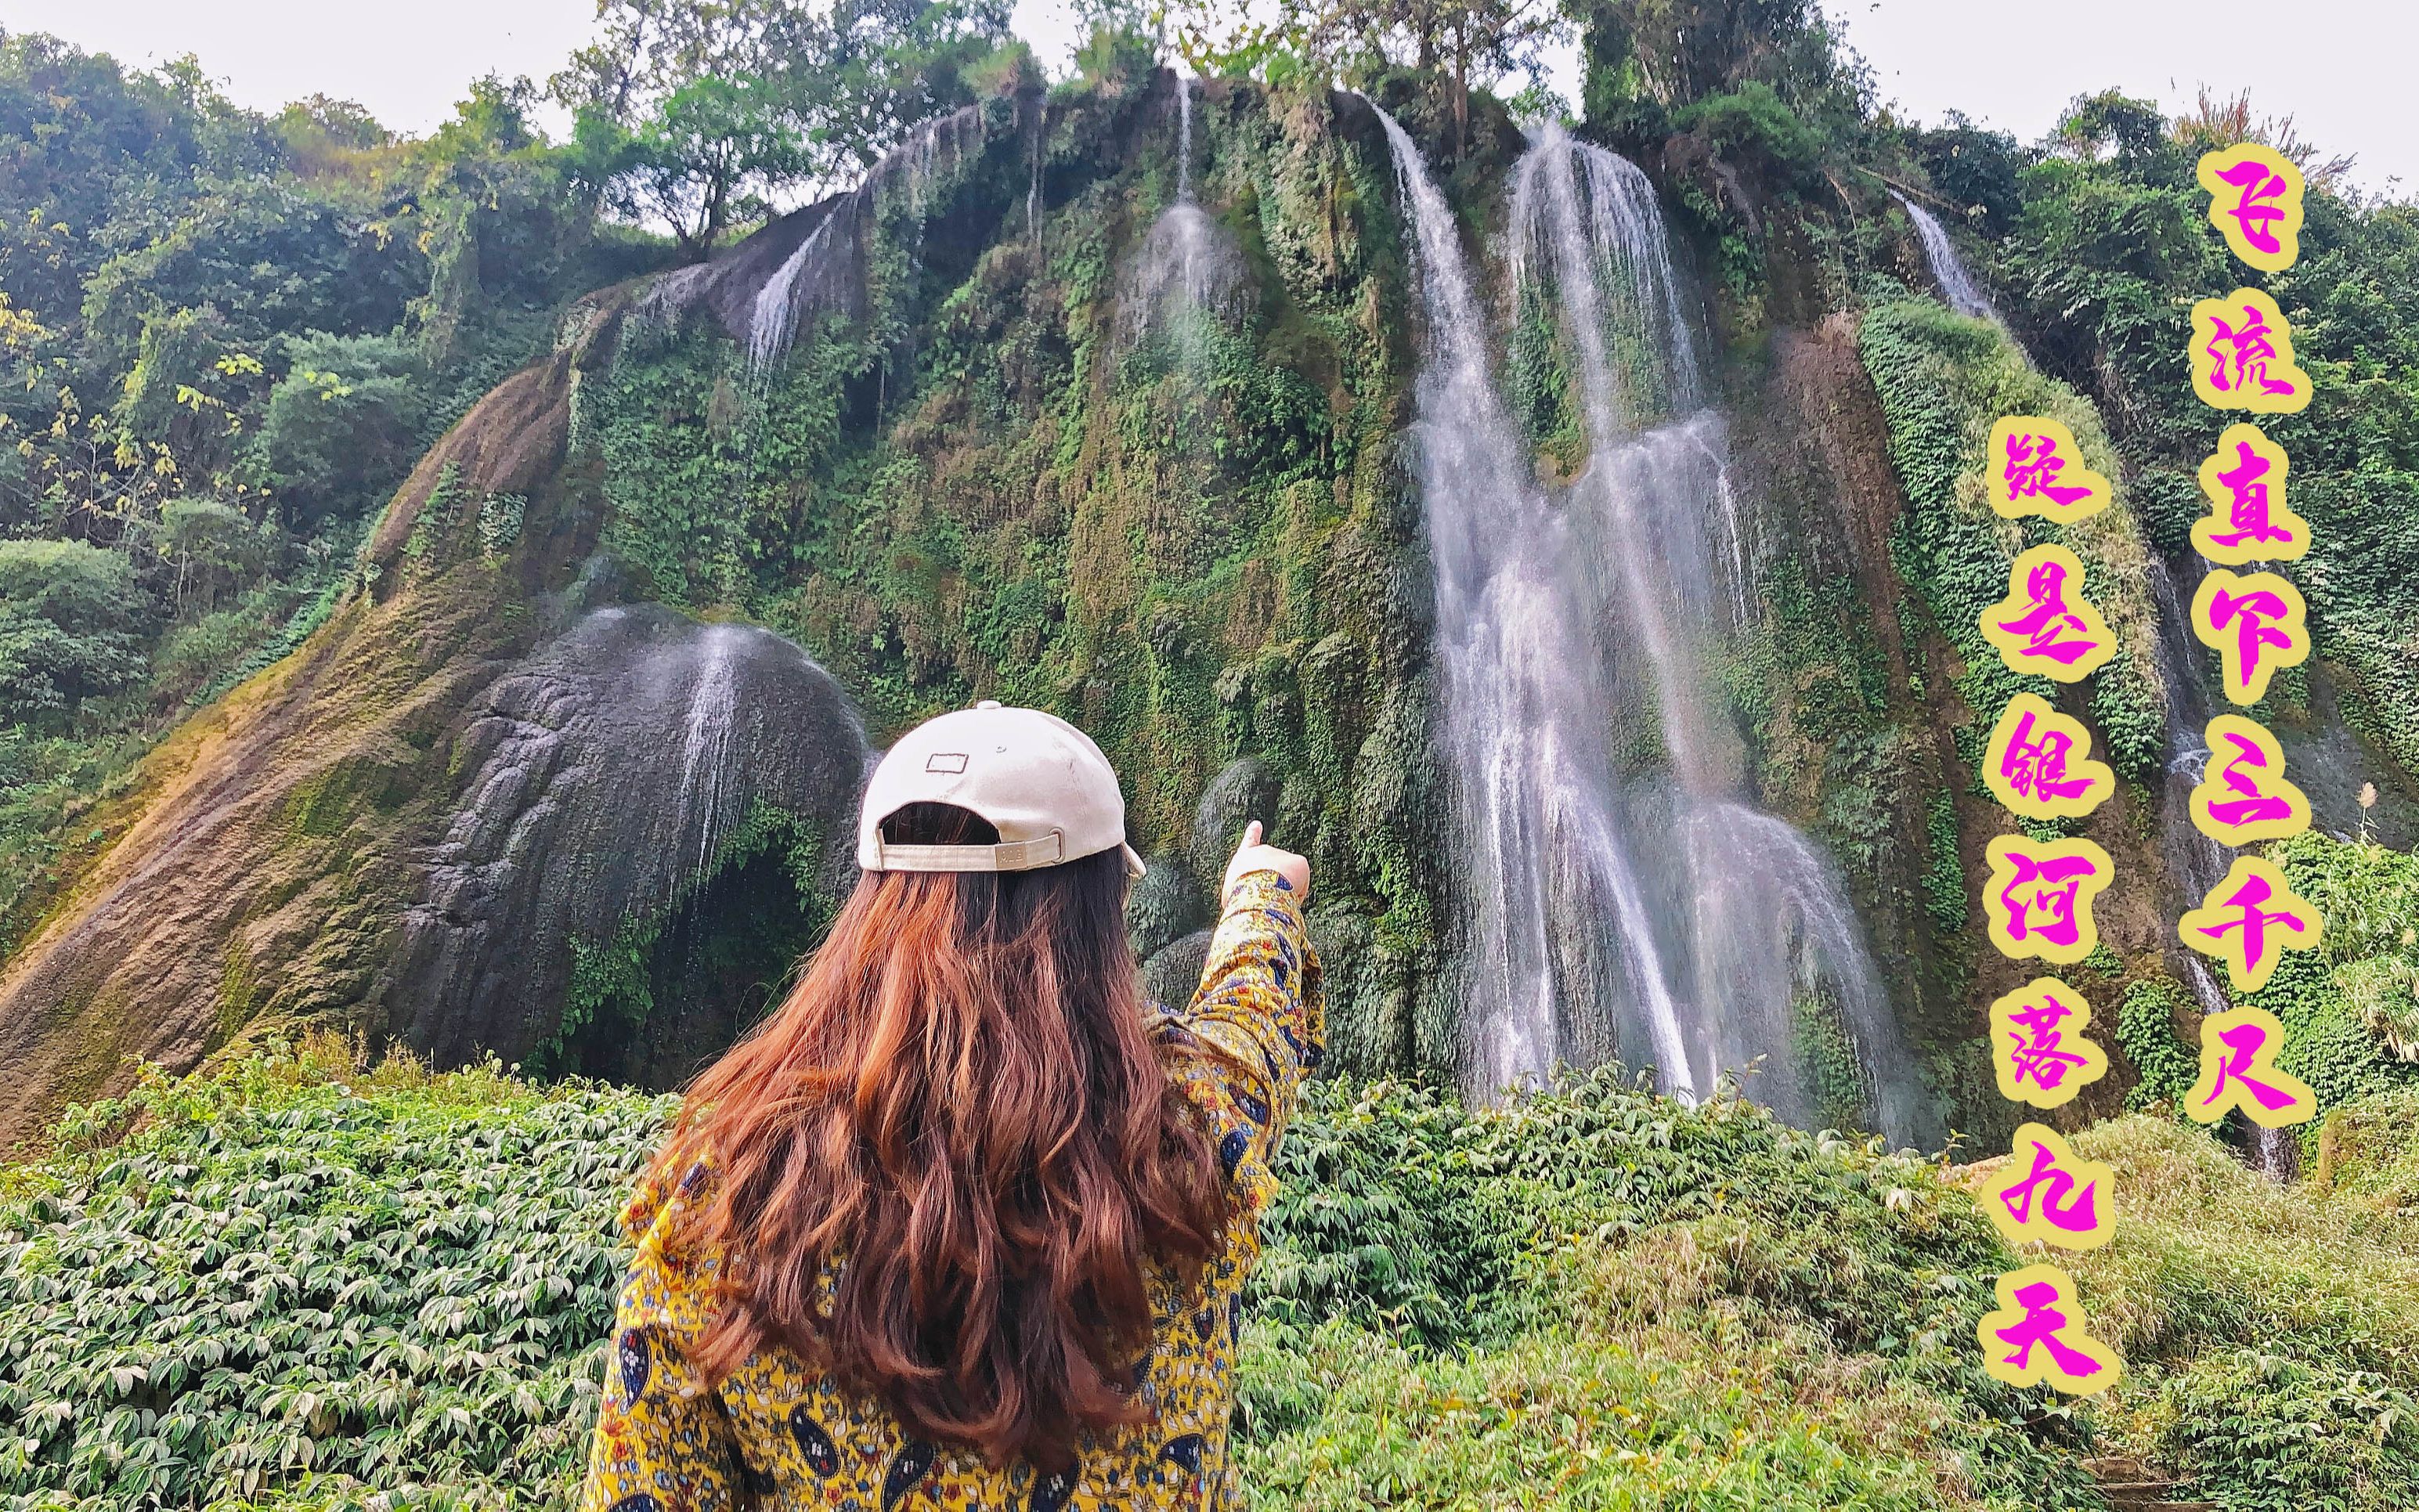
{"x": 1262, "y": 1016}
{"x": 663, "y": 1441}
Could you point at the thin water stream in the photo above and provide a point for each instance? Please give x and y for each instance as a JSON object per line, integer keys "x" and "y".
{"x": 1957, "y": 286}
{"x": 1187, "y": 270}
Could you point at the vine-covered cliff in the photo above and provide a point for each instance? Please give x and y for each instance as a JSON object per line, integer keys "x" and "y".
{"x": 1111, "y": 397}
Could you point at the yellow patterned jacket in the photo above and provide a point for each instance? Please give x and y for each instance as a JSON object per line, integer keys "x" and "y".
{"x": 779, "y": 1433}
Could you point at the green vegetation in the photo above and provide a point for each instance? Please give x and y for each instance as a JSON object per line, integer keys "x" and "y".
{"x": 988, "y": 472}
{"x": 2269, "y": 1329}
{"x": 2106, "y": 233}
{"x": 301, "y": 1282}
{"x": 226, "y": 337}
{"x": 231, "y": 339}
{"x": 1943, "y": 380}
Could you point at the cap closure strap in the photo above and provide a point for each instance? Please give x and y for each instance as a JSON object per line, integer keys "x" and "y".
{"x": 1012, "y": 855}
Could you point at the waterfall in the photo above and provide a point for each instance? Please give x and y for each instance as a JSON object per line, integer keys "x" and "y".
{"x": 1184, "y": 139}
{"x": 1557, "y": 913}
{"x": 1756, "y": 914}
{"x": 1656, "y": 916}
{"x": 1957, "y": 286}
{"x": 796, "y": 285}
{"x": 1032, "y": 180}
{"x": 821, "y": 271}
{"x": 2197, "y": 863}
{"x": 1186, "y": 272}
{"x": 711, "y": 750}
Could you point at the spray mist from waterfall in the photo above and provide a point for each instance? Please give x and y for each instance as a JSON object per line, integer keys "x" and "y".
{"x": 1656, "y": 916}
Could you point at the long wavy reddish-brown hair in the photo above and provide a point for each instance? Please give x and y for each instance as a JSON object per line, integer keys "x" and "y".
{"x": 946, "y": 1161}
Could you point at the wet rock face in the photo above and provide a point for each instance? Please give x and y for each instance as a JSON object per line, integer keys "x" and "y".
{"x": 1243, "y": 791}
{"x": 1171, "y": 975}
{"x": 1164, "y": 906}
{"x": 607, "y": 774}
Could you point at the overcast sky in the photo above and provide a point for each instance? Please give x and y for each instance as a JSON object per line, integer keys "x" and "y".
{"x": 2341, "y": 66}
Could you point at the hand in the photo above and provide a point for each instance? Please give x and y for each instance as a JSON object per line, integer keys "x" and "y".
{"x": 1252, "y": 857}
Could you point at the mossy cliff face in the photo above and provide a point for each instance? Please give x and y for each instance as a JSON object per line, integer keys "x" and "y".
{"x": 412, "y": 827}
{"x": 1034, "y": 462}
{"x": 1065, "y": 409}
{"x": 259, "y": 872}
{"x": 977, "y": 472}
{"x": 1865, "y": 678}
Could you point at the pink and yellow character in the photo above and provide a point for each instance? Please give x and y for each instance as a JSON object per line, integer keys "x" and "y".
{"x": 2036, "y": 469}
{"x": 2039, "y": 762}
{"x": 2038, "y": 1048}
{"x": 2046, "y": 1194}
{"x": 2238, "y": 1071}
{"x": 2038, "y": 1334}
{"x": 2242, "y": 356}
{"x": 2249, "y": 920}
{"x": 2257, "y": 623}
{"x": 2243, "y": 797}
{"x": 2255, "y": 203}
{"x": 2248, "y": 520}
{"x": 2038, "y": 899}
{"x": 2044, "y": 626}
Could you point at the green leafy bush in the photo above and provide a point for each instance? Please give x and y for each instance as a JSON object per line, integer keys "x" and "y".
{"x": 340, "y": 426}
{"x": 2268, "y": 1433}
{"x": 280, "y": 1275}
{"x": 299, "y": 1279}
{"x": 67, "y": 626}
{"x": 295, "y": 1283}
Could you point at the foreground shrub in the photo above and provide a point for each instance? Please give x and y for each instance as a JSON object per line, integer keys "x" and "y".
{"x": 297, "y": 1285}
{"x": 280, "y": 1275}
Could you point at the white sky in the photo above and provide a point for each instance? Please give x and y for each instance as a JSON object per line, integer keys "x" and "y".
{"x": 2341, "y": 66}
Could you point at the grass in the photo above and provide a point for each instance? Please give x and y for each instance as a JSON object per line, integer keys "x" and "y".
{"x": 297, "y": 1283}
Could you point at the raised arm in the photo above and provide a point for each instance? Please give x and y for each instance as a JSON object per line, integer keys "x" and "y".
{"x": 1259, "y": 1012}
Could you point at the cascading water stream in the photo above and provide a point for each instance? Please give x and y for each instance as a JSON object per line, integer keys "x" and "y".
{"x": 820, "y": 271}
{"x": 1957, "y": 286}
{"x": 614, "y": 767}
{"x": 711, "y": 751}
{"x": 1186, "y": 270}
{"x": 1033, "y": 180}
{"x": 1754, "y": 915}
{"x": 1556, "y": 911}
{"x": 2195, "y": 863}
{"x": 1184, "y": 139}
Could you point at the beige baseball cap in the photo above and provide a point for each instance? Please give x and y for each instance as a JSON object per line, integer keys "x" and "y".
{"x": 1040, "y": 782}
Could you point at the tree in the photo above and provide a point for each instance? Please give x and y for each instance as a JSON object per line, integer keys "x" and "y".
{"x": 692, "y": 111}
{"x": 1470, "y": 42}
{"x": 66, "y": 626}
{"x": 1684, "y": 51}
{"x": 698, "y": 113}
{"x": 216, "y": 548}
{"x": 338, "y": 427}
